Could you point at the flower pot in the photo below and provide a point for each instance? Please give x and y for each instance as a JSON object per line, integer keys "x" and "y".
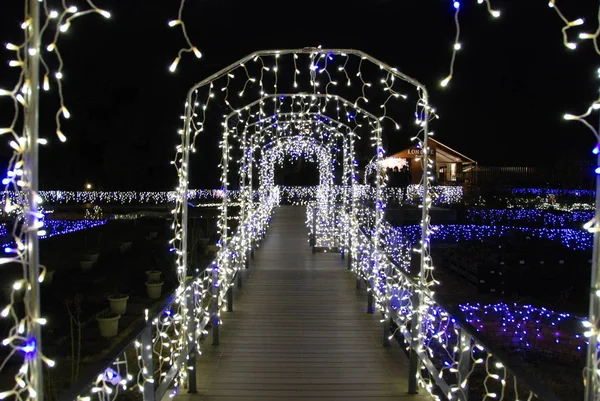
{"x": 91, "y": 256}
{"x": 86, "y": 265}
{"x": 118, "y": 303}
{"x": 153, "y": 275}
{"x": 109, "y": 326}
{"x": 153, "y": 290}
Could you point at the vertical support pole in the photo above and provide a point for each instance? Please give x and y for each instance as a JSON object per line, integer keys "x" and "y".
{"x": 464, "y": 364}
{"x": 191, "y": 338}
{"x": 147, "y": 360}
{"x": 248, "y": 256}
{"x": 191, "y": 374}
{"x": 215, "y": 305}
{"x": 591, "y": 376}
{"x": 230, "y": 299}
{"x": 350, "y": 250}
{"x": 369, "y": 300}
{"x": 239, "y": 278}
{"x": 31, "y": 159}
{"x": 414, "y": 341}
{"x": 415, "y": 333}
{"x": 387, "y": 327}
{"x": 313, "y": 238}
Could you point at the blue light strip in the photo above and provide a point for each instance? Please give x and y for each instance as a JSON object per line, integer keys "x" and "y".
{"x": 546, "y": 218}
{"x": 454, "y": 233}
{"x": 527, "y": 326}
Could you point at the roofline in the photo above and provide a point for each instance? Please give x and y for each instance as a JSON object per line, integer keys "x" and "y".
{"x": 446, "y": 146}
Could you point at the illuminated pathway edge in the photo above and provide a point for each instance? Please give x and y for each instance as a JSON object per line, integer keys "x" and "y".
{"x": 299, "y": 330}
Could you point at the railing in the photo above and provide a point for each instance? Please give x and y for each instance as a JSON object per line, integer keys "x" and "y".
{"x": 159, "y": 351}
{"x": 448, "y": 357}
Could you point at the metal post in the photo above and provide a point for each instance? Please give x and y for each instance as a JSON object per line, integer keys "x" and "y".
{"x": 147, "y": 360}
{"x": 415, "y": 332}
{"x": 191, "y": 338}
{"x": 230, "y": 299}
{"x": 592, "y": 387}
{"x": 350, "y": 252}
{"x": 464, "y": 364}
{"x": 239, "y": 278}
{"x": 31, "y": 128}
{"x": 313, "y": 238}
{"x": 414, "y": 341}
{"x": 387, "y": 327}
{"x": 369, "y": 300}
{"x": 215, "y": 306}
{"x": 191, "y": 374}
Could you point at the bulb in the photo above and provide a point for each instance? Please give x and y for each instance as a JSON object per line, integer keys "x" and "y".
{"x": 61, "y": 136}
{"x": 173, "y": 66}
{"x": 197, "y": 52}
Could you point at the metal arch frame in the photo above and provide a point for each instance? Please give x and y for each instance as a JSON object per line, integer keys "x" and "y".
{"x": 302, "y": 114}
{"x": 302, "y": 95}
{"x": 336, "y": 130}
{"x": 183, "y": 168}
{"x": 315, "y": 51}
{"x": 279, "y": 142}
{"x": 373, "y": 120}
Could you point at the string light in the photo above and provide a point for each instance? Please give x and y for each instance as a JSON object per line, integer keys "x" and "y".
{"x": 190, "y": 47}
{"x": 24, "y": 337}
{"x": 456, "y": 46}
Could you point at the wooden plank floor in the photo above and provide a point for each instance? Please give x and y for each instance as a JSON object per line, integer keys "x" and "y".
{"x": 299, "y": 331}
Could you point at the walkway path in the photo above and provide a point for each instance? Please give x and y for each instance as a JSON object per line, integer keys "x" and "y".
{"x": 299, "y": 331}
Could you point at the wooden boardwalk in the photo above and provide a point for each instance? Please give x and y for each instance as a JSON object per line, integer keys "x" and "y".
{"x": 299, "y": 330}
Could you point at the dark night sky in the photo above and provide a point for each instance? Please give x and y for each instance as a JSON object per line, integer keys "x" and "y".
{"x": 513, "y": 80}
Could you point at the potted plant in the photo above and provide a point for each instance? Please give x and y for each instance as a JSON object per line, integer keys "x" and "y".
{"x": 154, "y": 288}
{"x": 153, "y": 274}
{"x": 86, "y": 265}
{"x": 118, "y": 302}
{"x": 108, "y": 323}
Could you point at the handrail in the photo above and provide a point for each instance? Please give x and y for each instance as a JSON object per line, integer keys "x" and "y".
{"x": 87, "y": 379}
{"x": 92, "y": 371}
{"x": 508, "y": 362}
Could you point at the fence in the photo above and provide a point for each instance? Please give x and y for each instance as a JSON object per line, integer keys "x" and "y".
{"x": 540, "y": 177}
